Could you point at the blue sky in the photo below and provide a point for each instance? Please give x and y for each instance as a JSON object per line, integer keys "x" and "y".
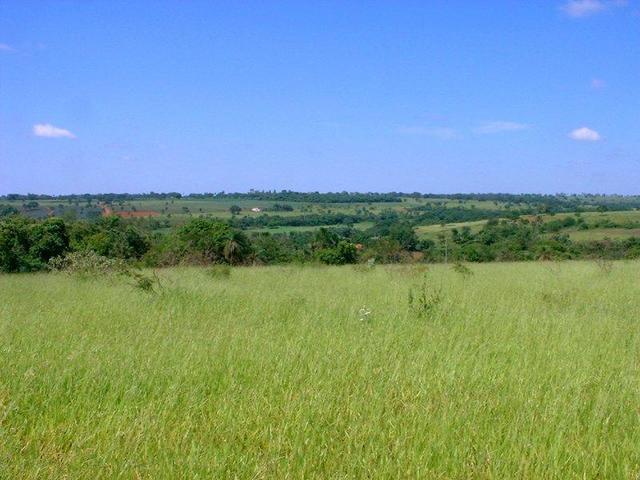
{"x": 438, "y": 96}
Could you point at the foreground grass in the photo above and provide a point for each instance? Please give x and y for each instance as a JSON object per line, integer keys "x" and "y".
{"x": 520, "y": 371}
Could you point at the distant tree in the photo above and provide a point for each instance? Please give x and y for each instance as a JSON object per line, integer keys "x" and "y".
{"x": 49, "y": 239}
{"x": 281, "y": 207}
{"x": 112, "y": 238}
{"x": 212, "y": 241}
{"x": 385, "y": 250}
{"x": 15, "y": 245}
{"x": 325, "y": 238}
{"x": 236, "y": 247}
{"x": 404, "y": 234}
{"x": 235, "y": 209}
{"x": 344, "y": 252}
{"x": 7, "y": 210}
{"x": 271, "y": 249}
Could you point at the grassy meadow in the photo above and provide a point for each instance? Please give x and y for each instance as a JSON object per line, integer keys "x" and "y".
{"x": 432, "y": 231}
{"x": 180, "y": 209}
{"x": 511, "y": 371}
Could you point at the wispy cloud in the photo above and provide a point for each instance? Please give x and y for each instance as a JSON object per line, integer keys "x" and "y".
{"x": 499, "y": 126}
{"x": 585, "y": 134}
{"x": 583, "y": 8}
{"x": 6, "y": 48}
{"x": 586, "y": 8}
{"x": 443, "y": 133}
{"x": 49, "y": 131}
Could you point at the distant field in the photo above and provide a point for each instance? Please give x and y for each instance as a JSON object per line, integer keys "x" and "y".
{"x": 618, "y": 217}
{"x": 602, "y": 233}
{"x": 177, "y": 211}
{"x": 515, "y": 371}
{"x": 590, "y": 217}
{"x": 220, "y": 206}
{"x": 432, "y": 231}
{"x": 359, "y": 226}
{"x": 284, "y": 229}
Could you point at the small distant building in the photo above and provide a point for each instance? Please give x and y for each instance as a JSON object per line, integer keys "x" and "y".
{"x": 256, "y": 209}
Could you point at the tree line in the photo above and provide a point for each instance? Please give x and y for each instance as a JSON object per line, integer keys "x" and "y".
{"x": 31, "y": 245}
{"x": 546, "y": 203}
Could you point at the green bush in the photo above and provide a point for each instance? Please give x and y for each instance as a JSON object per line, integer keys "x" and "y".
{"x": 344, "y": 252}
{"x": 86, "y": 263}
{"x": 211, "y": 241}
{"x": 219, "y": 271}
{"x": 27, "y": 246}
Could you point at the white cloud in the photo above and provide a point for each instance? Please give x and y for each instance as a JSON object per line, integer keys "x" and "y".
{"x": 583, "y": 8}
{"x": 597, "y": 83}
{"x": 585, "y": 134}
{"x": 443, "y": 133}
{"x": 49, "y": 131}
{"x": 6, "y": 48}
{"x": 499, "y": 126}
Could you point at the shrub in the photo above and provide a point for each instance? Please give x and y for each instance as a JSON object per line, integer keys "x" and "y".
{"x": 367, "y": 266}
{"x": 605, "y": 265}
{"x": 146, "y": 283}
{"x": 49, "y": 239}
{"x": 212, "y": 241}
{"x": 27, "y": 246}
{"x": 462, "y": 269}
{"x": 344, "y": 252}
{"x": 219, "y": 271}
{"x": 15, "y": 244}
{"x": 270, "y": 249}
{"x": 424, "y": 300}
{"x": 86, "y": 263}
{"x": 385, "y": 250}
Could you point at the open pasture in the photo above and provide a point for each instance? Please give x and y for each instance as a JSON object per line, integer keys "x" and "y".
{"x": 432, "y": 231}
{"x": 511, "y": 371}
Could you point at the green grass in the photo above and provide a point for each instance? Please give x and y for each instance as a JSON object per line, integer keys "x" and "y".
{"x": 602, "y": 233}
{"x": 432, "y": 231}
{"x": 287, "y": 229}
{"x": 307, "y": 228}
{"x": 592, "y": 217}
{"x": 521, "y": 371}
{"x": 219, "y": 207}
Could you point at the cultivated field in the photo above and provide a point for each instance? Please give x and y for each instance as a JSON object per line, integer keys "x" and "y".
{"x": 511, "y": 371}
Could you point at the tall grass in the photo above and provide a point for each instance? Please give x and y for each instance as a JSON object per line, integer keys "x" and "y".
{"x": 519, "y": 371}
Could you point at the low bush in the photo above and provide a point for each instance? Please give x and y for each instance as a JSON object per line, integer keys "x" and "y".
{"x": 219, "y": 271}
{"x": 86, "y": 262}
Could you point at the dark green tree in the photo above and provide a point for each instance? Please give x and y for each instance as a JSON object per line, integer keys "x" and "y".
{"x": 404, "y": 234}
{"x": 49, "y": 239}
{"x": 344, "y": 252}
{"x": 15, "y": 245}
{"x": 213, "y": 241}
